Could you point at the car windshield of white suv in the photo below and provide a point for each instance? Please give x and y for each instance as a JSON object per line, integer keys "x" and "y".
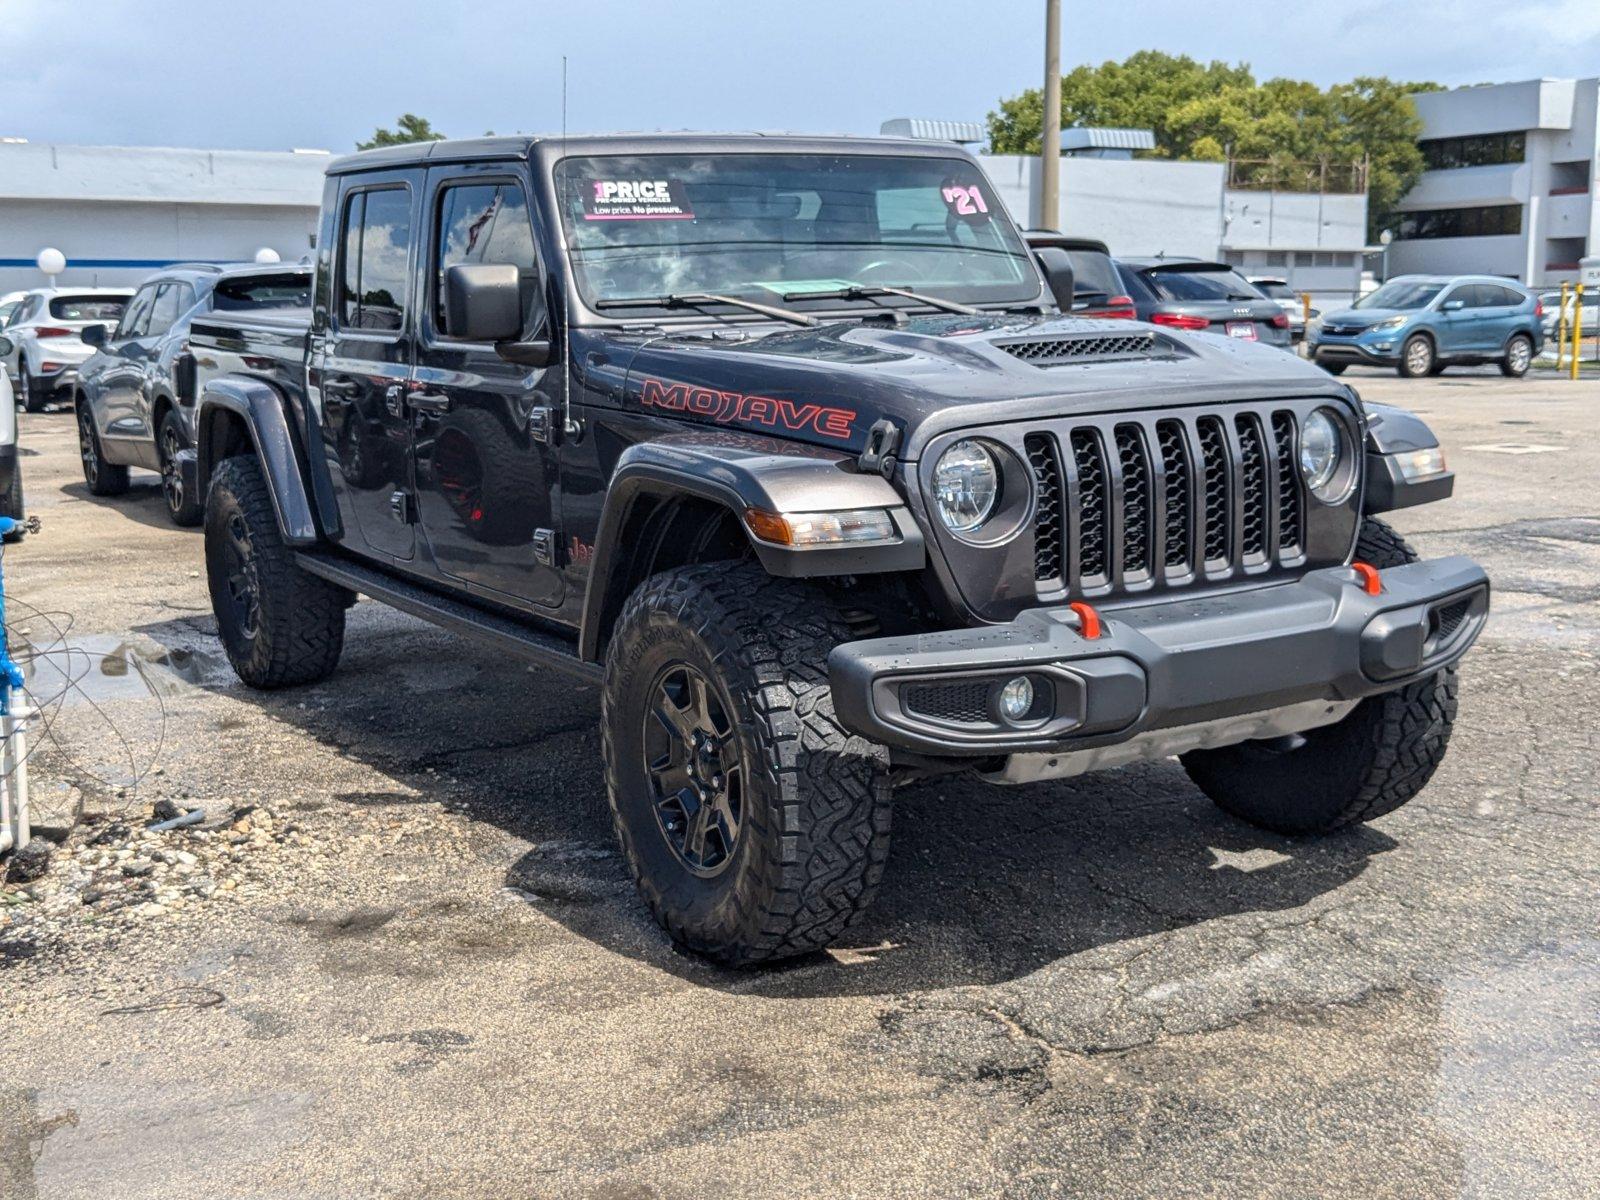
{"x": 791, "y": 230}
{"x": 1399, "y": 295}
{"x": 88, "y": 308}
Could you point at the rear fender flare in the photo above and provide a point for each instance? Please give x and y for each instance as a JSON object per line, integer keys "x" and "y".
{"x": 261, "y": 408}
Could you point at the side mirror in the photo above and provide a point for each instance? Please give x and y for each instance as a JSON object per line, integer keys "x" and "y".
{"x": 1056, "y": 264}
{"x": 93, "y": 335}
{"x": 7, "y": 346}
{"x": 483, "y": 302}
{"x": 1452, "y": 305}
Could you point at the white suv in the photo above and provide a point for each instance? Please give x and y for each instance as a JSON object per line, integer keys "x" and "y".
{"x": 45, "y": 346}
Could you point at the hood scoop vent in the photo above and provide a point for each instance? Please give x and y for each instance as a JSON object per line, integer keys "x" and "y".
{"x": 1090, "y": 347}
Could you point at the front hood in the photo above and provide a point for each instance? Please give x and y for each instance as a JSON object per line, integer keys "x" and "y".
{"x": 1362, "y": 318}
{"x": 830, "y": 385}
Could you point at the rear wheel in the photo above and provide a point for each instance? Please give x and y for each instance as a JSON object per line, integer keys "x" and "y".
{"x": 1417, "y": 356}
{"x": 1380, "y": 756}
{"x": 29, "y": 392}
{"x": 1519, "y": 356}
{"x": 755, "y": 825}
{"x": 184, "y": 509}
{"x": 103, "y": 478}
{"x": 280, "y": 624}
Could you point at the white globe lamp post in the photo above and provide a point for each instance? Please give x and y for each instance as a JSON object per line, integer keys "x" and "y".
{"x": 52, "y": 262}
{"x": 267, "y": 255}
{"x": 1384, "y": 238}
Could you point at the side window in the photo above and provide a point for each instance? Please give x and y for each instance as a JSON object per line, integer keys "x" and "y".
{"x": 376, "y": 252}
{"x": 1462, "y": 294}
{"x": 164, "y": 311}
{"x": 137, "y": 314}
{"x": 486, "y": 223}
{"x": 1511, "y": 298}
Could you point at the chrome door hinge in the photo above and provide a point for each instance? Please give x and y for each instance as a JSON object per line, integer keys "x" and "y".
{"x": 544, "y": 425}
{"x": 404, "y": 507}
{"x": 545, "y": 547}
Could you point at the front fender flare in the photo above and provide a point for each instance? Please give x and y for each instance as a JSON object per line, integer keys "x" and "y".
{"x": 740, "y": 473}
{"x": 1392, "y": 432}
{"x": 260, "y": 406}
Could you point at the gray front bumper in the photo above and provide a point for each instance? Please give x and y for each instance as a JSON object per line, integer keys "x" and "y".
{"x": 1163, "y": 665}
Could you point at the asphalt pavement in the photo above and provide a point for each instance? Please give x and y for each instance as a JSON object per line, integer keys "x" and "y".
{"x": 440, "y": 983}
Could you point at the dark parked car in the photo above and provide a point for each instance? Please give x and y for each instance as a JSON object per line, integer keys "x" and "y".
{"x": 1097, "y": 287}
{"x": 1421, "y": 324}
{"x": 1205, "y": 297}
{"x": 134, "y": 397}
{"x": 781, "y": 442}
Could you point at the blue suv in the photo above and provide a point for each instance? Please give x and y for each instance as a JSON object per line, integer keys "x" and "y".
{"x": 1420, "y": 324}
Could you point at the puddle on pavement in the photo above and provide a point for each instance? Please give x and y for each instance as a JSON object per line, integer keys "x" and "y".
{"x": 101, "y": 669}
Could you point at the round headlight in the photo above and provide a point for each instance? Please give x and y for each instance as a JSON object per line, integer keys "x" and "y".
{"x": 1322, "y": 452}
{"x": 966, "y": 482}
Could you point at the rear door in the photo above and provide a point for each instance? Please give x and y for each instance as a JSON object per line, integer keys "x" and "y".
{"x": 365, "y": 360}
{"x": 485, "y": 474}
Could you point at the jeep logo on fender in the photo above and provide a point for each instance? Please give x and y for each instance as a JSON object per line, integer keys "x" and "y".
{"x": 735, "y": 408}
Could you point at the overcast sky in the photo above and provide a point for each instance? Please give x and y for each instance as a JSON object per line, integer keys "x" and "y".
{"x": 322, "y": 73}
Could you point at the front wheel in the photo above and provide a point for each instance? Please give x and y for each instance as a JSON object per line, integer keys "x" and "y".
{"x": 182, "y": 506}
{"x": 1370, "y": 763}
{"x": 1417, "y": 357}
{"x": 279, "y": 624}
{"x": 103, "y": 478}
{"x": 1519, "y": 356}
{"x": 755, "y": 825}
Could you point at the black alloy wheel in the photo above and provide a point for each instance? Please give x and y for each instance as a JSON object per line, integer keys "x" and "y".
{"x": 88, "y": 449}
{"x": 696, "y": 773}
{"x": 171, "y": 476}
{"x": 243, "y": 597}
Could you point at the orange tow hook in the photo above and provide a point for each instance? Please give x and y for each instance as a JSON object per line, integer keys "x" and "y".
{"x": 1088, "y": 620}
{"x": 1370, "y": 581}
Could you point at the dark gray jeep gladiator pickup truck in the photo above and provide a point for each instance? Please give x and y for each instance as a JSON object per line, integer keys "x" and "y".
{"x": 784, "y": 443}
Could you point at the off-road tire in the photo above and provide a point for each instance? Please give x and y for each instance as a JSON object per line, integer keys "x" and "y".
{"x": 814, "y": 834}
{"x": 1518, "y": 357}
{"x": 1370, "y": 763}
{"x": 11, "y": 503}
{"x": 185, "y": 508}
{"x": 299, "y": 626}
{"x": 1412, "y": 365}
{"x": 103, "y": 478}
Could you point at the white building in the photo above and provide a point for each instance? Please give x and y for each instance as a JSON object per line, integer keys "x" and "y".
{"x": 118, "y": 213}
{"x": 1147, "y": 206}
{"x": 1511, "y": 185}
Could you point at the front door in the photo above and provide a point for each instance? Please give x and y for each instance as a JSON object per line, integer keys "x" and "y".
{"x": 364, "y": 364}
{"x": 1456, "y": 320}
{"x": 485, "y": 479}
{"x": 127, "y": 350}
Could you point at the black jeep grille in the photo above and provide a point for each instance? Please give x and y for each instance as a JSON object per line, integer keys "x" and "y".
{"x": 1053, "y": 352}
{"x": 1124, "y": 504}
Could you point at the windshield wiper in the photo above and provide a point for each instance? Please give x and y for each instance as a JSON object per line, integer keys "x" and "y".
{"x": 700, "y": 299}
{"x": 866, "y": 291}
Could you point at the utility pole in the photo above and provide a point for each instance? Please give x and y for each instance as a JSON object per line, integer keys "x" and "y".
{"x": 1050, "y": 138}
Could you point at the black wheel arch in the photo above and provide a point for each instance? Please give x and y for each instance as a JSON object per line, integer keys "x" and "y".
{"x": 246, "y": 416}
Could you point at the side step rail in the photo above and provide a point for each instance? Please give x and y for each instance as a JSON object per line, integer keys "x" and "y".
{"x": 504, "y": 634}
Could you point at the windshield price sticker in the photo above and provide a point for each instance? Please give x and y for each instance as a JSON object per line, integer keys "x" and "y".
{"x": 636, "y": 200}
{"x": 965, "y": 201}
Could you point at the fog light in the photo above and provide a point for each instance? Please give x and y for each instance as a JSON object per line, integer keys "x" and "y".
{"x": 1016, "y": 699}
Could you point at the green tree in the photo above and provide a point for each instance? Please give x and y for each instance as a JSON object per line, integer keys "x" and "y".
{"x": 409, "y": 128}
{"x": 1298, "y": 133}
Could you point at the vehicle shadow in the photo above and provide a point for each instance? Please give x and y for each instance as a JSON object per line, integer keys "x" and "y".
{"x": 985, "y": 884}
{"x": 143, "y": 502}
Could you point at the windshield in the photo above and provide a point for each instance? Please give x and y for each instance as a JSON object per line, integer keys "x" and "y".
{"x": 258, "y": 292}
{"x": 775, "y": 226}
{"x": 1400, "y": 294}
{"x": 1201, "y": 284}
{"x": 88, "y": 308}
{"x": 1275, "y": 291}
{"x": 1093, "y": 274}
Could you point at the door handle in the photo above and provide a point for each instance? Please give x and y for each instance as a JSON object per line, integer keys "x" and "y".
{"x": 428, "y": 402}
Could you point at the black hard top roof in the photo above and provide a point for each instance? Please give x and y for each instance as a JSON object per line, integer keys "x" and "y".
{"x": 557, "y": 146}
